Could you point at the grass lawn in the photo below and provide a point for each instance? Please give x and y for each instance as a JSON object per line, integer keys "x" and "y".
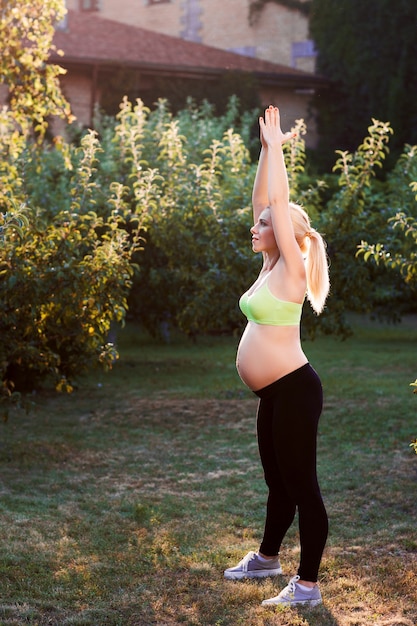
{"x": 122, "y": 503}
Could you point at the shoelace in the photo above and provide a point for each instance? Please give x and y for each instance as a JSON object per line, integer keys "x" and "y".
{"x": 290, "y": 589}
{"x": 245, "y": 561}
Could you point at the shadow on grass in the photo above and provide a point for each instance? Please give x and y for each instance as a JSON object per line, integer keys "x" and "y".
{"x": 123, "y": 509}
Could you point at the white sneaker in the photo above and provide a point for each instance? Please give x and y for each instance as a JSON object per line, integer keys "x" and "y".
{"x": 293, "y": 594}
{"x": 252, "y": 567}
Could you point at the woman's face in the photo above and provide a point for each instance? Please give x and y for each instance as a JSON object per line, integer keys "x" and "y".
{"x": 263, "y": 238}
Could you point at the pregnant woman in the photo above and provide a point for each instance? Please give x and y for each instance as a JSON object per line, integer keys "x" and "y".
{"x": 271, "y": 362}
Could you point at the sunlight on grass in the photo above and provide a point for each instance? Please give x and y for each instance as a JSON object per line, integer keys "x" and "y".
{"x": 123, "y": 503}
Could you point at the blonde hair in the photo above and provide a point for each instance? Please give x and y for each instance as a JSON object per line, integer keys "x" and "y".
{"x": 313, "y": 246}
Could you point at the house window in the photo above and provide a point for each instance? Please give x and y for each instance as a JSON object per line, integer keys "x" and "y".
{"x": 302, "y": 49}
{"x": 62, "y": 25}
{"x": 247, "y": 51}
{"x": 89, "y": 5}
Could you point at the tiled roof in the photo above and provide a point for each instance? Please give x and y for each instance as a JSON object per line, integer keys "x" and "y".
{"x": 90, "y": 39}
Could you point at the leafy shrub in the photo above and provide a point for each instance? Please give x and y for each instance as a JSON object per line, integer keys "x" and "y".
{"x": 398, "y": 251}
{"x": 34, "y": 92}
{"x": 151, "y": 214}
{"x": 64, "y": 279}
{"x": 198, "y": 242}
{"x": 357, "y": 210}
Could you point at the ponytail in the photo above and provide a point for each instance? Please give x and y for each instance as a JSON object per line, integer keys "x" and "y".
{"x": 318, "y": 283}
{"x": 317, "y": 269}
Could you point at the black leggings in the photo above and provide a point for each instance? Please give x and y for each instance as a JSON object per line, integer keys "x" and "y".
{"x": 287, "y": 421}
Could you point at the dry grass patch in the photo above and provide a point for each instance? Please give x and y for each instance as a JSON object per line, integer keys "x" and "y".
{"x": 124, "y": 510}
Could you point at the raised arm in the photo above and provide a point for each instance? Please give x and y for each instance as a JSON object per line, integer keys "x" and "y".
{"x": 278, "y": 191}
{"x": 260, "y": 198}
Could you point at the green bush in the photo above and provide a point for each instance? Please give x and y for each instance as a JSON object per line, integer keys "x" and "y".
{"x": 34, "y": 92}
{"x": 65, "y": 278}
{"x": 398, "y": 251}
{"x": 151, "y": 214}
{"x": 197, "y": 258}
{"x": 356, "y": 211}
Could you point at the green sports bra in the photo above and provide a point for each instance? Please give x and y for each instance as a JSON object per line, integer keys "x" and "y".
{"x": 262, "y": 307}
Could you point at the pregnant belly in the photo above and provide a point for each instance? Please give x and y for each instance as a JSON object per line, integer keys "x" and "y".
{"x": 266, "y": 353}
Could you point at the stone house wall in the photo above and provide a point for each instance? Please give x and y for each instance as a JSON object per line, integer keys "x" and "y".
{"x": 279, "y": 35}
